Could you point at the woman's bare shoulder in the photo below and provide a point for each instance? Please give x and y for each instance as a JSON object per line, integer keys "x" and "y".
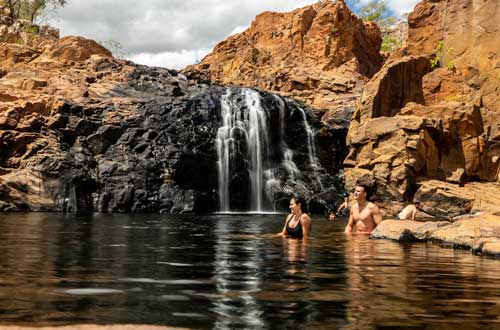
{"x": 306, "y": 217}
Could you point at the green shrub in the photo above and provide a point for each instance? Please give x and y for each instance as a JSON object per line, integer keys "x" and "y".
{"x": 390, "y": 43}
{"x": 441, "y": 50}
{"x": 33, "y": 29}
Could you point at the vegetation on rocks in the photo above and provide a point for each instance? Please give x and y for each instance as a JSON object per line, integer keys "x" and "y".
{"x": 31, "y": 10}
{"x": 377, "y": 11}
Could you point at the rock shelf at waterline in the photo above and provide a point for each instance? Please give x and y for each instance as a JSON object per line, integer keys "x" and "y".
{"x": 480, "y": 234}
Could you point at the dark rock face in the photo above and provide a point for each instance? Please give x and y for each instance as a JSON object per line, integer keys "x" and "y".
{"x": 162, "y": 158}
{"x": 83, "y": 131}
{"x": 148, "y": 145}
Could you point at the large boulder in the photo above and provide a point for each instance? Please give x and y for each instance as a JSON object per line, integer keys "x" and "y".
{"x": 75, "y": 49}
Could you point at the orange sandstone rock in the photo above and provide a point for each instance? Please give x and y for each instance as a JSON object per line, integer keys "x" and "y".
{"x": 320, "y": 54}
{"x": 459, "y": 101}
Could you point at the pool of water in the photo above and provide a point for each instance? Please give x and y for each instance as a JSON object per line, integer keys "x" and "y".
{"x": 227, "y": 272}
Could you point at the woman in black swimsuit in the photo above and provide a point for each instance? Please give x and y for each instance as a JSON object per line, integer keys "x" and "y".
{"x": 298, "y": 222}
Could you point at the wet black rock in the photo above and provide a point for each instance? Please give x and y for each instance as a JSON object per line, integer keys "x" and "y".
{"x": 149, "y": 145}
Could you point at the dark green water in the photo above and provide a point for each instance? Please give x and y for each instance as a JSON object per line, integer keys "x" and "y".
{"x": 223, "y": 272}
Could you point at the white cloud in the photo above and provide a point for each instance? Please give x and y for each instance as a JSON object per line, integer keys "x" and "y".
{"x": 173, "y": 60}
{"x": 175, "y": 32}
{"x": 401, "y": 6}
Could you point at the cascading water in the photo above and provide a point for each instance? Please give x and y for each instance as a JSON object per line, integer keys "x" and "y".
{"x": 258, "y": 148}
{"x": 224, "y": 149}
{"x": 251, "y": 123}
{"x": 287, "y": 161}
{"x": 253, "y": 163}
{"x": 311, "y": 147}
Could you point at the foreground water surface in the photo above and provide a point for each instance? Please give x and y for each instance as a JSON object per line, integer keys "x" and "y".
{"x": 226, "y": 272}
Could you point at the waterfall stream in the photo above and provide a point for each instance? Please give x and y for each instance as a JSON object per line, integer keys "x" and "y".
{"x": 311, "y": 148}
{"x": 223, "y": 150}
{"x": 249, "y": 155}
{"x": 258, "y": 148}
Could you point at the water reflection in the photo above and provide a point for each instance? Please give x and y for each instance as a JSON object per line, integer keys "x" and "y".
{"x": 224, "y": 272}
{"x": 237, "y": 267}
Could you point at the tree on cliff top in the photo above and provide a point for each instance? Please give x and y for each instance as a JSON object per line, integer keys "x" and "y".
{"x": 31, "y": 9}
{"x": 377, "y": 11}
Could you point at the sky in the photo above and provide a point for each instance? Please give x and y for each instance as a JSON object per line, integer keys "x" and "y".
{"x": 173, "y": 33}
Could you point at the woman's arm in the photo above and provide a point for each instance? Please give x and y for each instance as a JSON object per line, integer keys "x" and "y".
{"x": 283, "y": 231}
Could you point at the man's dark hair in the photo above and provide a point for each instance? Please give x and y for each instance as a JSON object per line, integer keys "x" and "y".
{"x": 368, "y": 189}
{"x": 364, "y": 186}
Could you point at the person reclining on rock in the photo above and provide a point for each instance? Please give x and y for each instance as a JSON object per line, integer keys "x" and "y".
{"x": 408, "y": 212}
{"x": 364, "y": 215}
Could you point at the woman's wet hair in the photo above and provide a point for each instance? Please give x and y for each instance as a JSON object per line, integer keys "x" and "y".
{"x": 301, "y": 200}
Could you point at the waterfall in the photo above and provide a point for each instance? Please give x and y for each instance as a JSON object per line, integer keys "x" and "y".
{"x": 223, "y": 150}
{"x": 287, "y": 160}
{"x": 289, "y": 164}
{"x": 252, "y": 163}
{"x": 258, "y": 143}
{"x": 311, "y": 146}
{"x": 250, "y": 122}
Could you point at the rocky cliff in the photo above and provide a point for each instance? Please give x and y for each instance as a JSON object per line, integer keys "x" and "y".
{"x": 320, "y": 54}
{"x": 83, "y": 131}
{"x": 427, "y": 126}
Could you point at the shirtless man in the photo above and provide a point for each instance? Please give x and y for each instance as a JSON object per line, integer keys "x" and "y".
{"x": 364, "y": 215}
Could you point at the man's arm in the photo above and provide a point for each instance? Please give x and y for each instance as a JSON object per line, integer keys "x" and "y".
{"x": 350, "y": 224}
{"x": 375, "y": 213}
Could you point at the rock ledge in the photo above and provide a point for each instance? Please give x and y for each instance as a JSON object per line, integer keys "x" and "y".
{"x": 480, "y": 234}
